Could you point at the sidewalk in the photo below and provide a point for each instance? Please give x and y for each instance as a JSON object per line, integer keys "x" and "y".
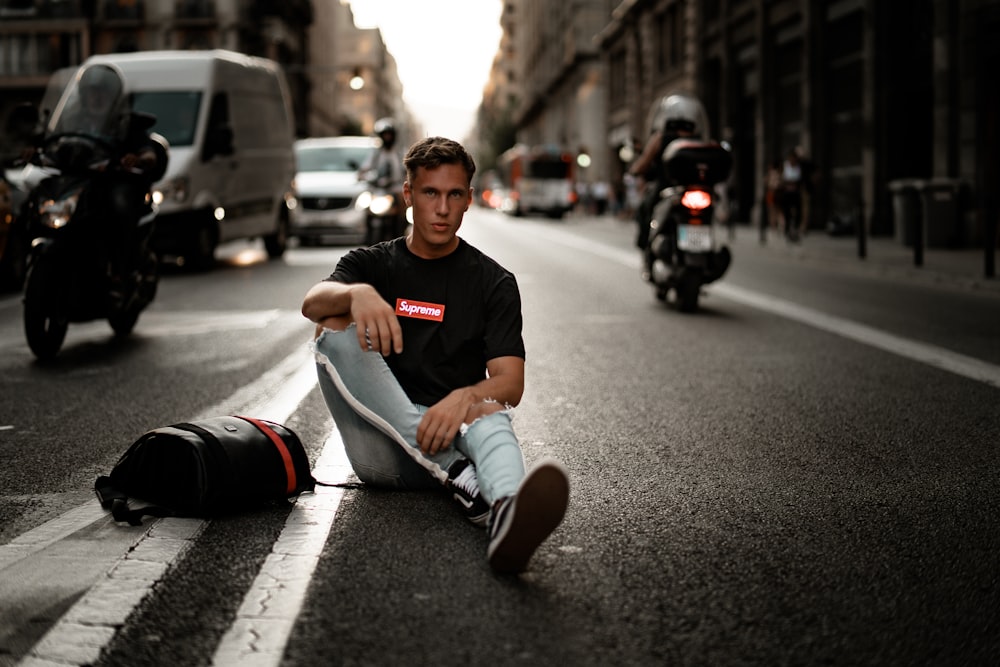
{"x": 886, "y": 257}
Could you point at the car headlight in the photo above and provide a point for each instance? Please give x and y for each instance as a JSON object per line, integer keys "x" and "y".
{"x": 56, "y": 213}
{"x": 363, "y": 201}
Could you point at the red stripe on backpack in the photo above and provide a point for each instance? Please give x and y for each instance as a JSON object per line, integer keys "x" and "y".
{"x": 286, "y": 456}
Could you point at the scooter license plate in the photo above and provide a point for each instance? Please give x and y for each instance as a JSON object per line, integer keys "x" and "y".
{"x": 694, "y": 238}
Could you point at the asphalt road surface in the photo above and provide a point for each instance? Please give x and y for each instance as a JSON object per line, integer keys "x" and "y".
{"x": 804, "y": 472}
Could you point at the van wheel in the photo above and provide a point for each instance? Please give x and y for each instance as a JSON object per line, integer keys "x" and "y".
{"x": 277, "y": 243}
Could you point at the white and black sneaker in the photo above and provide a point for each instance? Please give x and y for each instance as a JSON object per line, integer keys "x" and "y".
{"x": 520, "y": 523}
{"x": 464, "y": 486}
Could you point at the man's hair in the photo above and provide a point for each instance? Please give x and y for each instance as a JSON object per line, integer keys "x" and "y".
{"x": 435, "y": 151}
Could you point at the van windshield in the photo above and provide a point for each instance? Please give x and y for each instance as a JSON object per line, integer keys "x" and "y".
{"x": 331, "y": 158}
{"x": 176, "y": 113}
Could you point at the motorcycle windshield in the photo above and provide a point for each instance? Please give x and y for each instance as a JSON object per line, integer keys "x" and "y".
{"x": 94, "y": 104}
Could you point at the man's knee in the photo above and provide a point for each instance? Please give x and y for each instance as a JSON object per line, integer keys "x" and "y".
{"x": 335, "y": 323}
{"x": 482, "y": 409}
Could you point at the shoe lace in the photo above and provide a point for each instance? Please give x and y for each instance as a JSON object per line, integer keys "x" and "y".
{"x": 467, "y": 481}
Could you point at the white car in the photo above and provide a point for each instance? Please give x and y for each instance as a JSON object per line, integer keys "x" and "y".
{"x": 327, "y": 189}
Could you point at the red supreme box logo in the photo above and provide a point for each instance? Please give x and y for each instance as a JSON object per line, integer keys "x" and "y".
{"x": 420, "y": 310}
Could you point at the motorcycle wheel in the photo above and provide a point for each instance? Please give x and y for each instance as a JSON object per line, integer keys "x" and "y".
{"x": 44, "y": 332}
{"x": 688, "y": 289}
{"x": 122, "y": 323}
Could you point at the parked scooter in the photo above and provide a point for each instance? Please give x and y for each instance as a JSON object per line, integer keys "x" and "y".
{"x": 91, "y": 220}
{"x": 683, "y": 252}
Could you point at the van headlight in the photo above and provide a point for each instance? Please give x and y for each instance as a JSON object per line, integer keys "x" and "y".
{"x": 56, "y": 213}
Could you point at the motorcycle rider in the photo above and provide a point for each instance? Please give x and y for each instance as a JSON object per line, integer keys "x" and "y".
{"x": 384, "y": 170}
{"x": 101, "y": 109}
{"x": 678, "y": 116}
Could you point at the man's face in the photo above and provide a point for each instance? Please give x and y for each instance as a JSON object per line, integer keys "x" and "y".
{"x": 439, "y": 197}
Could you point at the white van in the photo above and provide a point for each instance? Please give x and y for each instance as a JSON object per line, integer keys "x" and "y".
{"x": 228, "y": 119}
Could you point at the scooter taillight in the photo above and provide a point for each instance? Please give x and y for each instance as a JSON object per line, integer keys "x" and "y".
{"x": 696, "y": 200}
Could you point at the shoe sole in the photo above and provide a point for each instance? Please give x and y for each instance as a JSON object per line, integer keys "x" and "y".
{"x": 537, "y": 510}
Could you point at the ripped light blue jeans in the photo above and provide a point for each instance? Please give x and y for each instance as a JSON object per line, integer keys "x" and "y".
{"x": 378, "y": 424}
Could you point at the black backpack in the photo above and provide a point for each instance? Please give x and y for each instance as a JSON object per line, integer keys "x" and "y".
{"x": 207, "y": 467}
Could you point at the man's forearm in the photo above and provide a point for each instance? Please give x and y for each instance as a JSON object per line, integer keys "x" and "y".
{"x": 326, "y": 299}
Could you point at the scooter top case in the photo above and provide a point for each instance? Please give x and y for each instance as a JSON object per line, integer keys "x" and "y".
{"x": 697, "y": 162}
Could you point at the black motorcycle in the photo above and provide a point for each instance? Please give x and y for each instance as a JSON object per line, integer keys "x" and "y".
{"x": 683, "y": 253}
{"x": 90, "y": 225}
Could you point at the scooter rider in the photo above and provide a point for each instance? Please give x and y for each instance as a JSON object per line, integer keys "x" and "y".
{"x": 101, "y": 109}
{"x": 384, "y": 170}
{"x": 677, "y": 116}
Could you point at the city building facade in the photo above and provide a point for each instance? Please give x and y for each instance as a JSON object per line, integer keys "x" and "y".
{"x": 354, "y": 77}
{"x": 341, "y": 78}
{"x": 873, "y": 94}
{"x": 38, "y": 37}
{"x": 549, "y": 79}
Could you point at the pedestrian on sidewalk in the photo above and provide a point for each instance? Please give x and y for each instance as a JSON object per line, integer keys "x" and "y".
{"x": 600, "y": 193}
{"x": 772, "y": 198}
{"x": 791, "y": 196}
{"x": 420, "y": 358}
{"x": 807, "y": 186}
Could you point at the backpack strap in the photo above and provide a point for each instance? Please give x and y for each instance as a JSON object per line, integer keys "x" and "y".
{"x": 116, "y": 501}
{"x": 279, "y": 444}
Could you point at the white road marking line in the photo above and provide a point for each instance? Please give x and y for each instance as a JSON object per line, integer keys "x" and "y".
{"x": 931, "y": 355}
{"x": 938, "y": 357}
{"x": 265, "y": 620}
{"x": 80, "y": 635}
{"x": 262, "y": 392}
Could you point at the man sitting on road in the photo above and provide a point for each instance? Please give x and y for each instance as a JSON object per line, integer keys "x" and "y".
{"x": 435, "y": 411}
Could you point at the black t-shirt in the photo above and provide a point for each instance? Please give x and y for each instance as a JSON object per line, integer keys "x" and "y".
{"x": 457, "y": 312}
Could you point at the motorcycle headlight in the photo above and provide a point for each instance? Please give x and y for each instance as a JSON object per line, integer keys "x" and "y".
{"x": 175, "y": 189}
{"x": 381, "y": 205}
{"x": 56, "y": 213}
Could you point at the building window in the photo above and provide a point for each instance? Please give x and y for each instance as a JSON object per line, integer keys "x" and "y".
{"x": 669, "y": 41}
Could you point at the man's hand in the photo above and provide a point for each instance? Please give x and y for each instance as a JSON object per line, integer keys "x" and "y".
{"x": 138, "y": 161}
{"x": 378, "y": 328}
{"x": 441, "y": 422}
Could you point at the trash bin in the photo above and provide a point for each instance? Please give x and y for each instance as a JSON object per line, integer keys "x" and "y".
{"x": 907, "y": 208}
{"x": 941, "y": 212}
